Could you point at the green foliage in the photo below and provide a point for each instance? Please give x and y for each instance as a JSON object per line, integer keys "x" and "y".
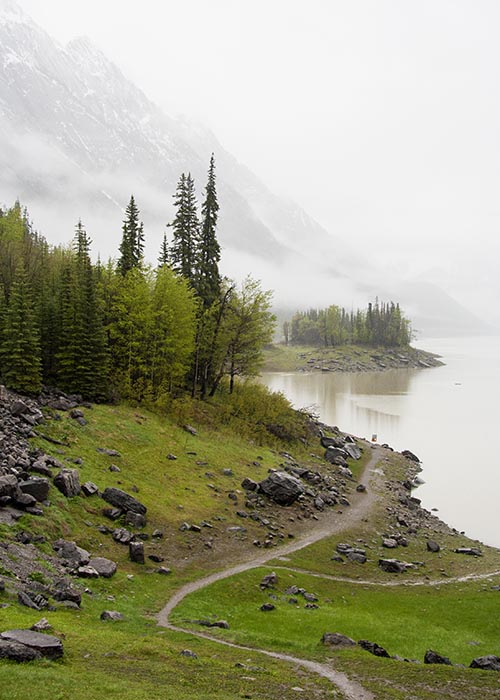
{"x": 253, "y": 410}
{"x": 132, "y": 244}
{"x": 208, "y": 279}
{"x": 20, "y": 357}
{"x": 380, "y": 325}
{"x": 185, "y": 230}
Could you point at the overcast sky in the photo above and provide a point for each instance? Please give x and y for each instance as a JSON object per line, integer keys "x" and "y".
{"x": 380, "y": 117}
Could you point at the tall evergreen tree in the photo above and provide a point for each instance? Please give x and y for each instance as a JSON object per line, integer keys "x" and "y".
{"x": 185, "y": 230}
{"x": 163, "y": 258}
{"x": 20, "y": 357}
{"x": 208, "y": 281}
{"x": 132, "y": 244}
{"x": 82, "y": 357}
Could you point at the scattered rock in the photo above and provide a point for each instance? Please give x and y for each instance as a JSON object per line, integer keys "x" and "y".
{"x": 104, "y": 567}
{"x": 282, "y": 488}
{"x": 486, "y": 663}
{"x": 373, "y": 648}
{"x": 17, "y": 652}
{"x": 267, "y": 607}
{"x": 335, "y": 639}
{"x": 112, "y": 615}
{"x": 90, "y": 489}
{"x": 190, "y": 654}
{"x": 392, "y": 566}
{"x": 433, "y": 546}
{"x": 268, "y": 581}
{"x": 124, "y": 501}
{"x": 472, "y": 551}
{"x": 45, "y": 644}
{"x": 136, "y": 552}
{"x": 68, "y": 482}
{"x": 432, "y": 657}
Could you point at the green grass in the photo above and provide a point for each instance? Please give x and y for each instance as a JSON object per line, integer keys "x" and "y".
{"x": 134, "y": 659}
{"x": 406, "y": 621}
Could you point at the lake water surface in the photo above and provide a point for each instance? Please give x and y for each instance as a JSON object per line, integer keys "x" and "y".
{"x": 448, "y": 416}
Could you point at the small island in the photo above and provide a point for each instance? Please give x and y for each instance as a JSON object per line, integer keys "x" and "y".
{"x": 336, "y": 340}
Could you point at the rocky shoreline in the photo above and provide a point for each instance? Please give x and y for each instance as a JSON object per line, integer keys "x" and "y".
{"x": 362, "y": 360}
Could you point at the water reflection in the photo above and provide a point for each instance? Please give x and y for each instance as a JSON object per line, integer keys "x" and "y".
{"x": 372, "y": 402}
{"x": 446, "y": 415}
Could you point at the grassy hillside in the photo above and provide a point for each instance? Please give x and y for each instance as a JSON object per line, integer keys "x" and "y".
{"x": 135, "y": 658}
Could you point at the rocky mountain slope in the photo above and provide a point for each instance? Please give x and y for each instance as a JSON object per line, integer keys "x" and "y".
{"x": 77, "y": 138}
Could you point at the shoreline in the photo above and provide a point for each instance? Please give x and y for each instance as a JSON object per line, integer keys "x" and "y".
{"x": 347, "y": 358}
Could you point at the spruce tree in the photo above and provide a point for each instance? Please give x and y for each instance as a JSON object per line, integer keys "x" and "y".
{"x": 185, "y": 230}
{"x": 163, "y": 258}
{"x": 208, "y": 280}
{"x": 82, "y": 357}
{"x": 132, "y": 244}
{"x": 20, "y": 356}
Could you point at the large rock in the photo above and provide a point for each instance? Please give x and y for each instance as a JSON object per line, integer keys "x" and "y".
{"x": 374, "y": 648}
{"x": 17, "y": 652}
{"x": 486, "y": 663}
{"x": 8, "y": 485}
{"x": 104, "y": 567}
{"x": 282, "y": 488}
{"x": 333, "y": 453}
{"x": 352, "y": 450}
{"x": 136, "y": 552}
{"x": 120, "y": 499}
{"x": 38, "y": 488}
{"x": 392, "y": 566}
{"x": 432, "y": 657}
{"x": 64, "y": 592}
{"x": 46, "y": 644}
{"x": 68, "y": 482}
{"x": 76, "y": 556}
{"x": 112, "y": 615}
{"x": 335, "y": 639}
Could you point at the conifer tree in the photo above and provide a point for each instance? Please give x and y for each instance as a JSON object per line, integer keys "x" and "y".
{"x": 82, "y": 357}
{"x": 208, "y": 281}
{"x": 132, "y": 244}
{"x": 20, "y": 357}
{"x": 185, "y": 230}
{"x": 163, "y": 258}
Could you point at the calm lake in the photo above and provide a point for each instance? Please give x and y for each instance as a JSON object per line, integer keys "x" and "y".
{"x": 448, "y": 416}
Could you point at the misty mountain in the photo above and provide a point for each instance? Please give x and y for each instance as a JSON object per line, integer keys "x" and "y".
{"x": 77, "y": 138}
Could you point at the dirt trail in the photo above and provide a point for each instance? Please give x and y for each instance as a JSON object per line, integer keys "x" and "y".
{"x": 361, "y": 505}
{"x": 393, "y": 583}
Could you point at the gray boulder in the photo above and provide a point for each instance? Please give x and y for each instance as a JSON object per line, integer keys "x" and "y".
{"x": 38, "y": 488}
{"x": 136, "y": 552}
{"x": 374, "y": 648}
{"x": 392, "y": 566}
{"x": 432, "y": 657}
{"x": 68, "y": 482}
{"x": 352, "y": 450}
{"x": 111, "y": 616}
{"x": 120, "y": 499}
{"x": 282, "y": 488}
{"x": 76, "y": 556}
{"x": 104, "y": 567}
{"x": 335, "y": 639}
{"x": 486, "y": 663}
{"x": 433, "y": 546}
{"x": 17, "y": 652}
{"x": 90, "y": 489}
{"x": 8, "y": 485}
{"x": 45, "y": 644}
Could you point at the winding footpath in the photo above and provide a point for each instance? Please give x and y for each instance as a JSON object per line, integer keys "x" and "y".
{"x": 361, "y": 505}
